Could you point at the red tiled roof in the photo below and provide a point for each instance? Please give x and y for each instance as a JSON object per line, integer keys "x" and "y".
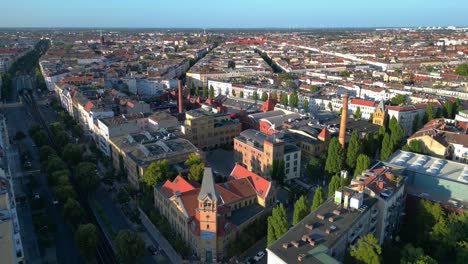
{"x": 190, "y": 201}
{"x": 179, "y": 184}
{"x": 261, "y": 185}
{"x": 88, "y": 106}
{"x": 363, "y": 102}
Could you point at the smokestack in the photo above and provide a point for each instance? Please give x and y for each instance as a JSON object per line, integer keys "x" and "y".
{"x": 344, "y": 117}
{"x": 181, "y": 108}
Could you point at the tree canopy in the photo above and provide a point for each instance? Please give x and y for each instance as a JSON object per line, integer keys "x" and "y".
{"x": 354, "y": 148}
{"x": 72, "y": 154}
{"x": 283, "y": 98}
{"x": 462, "y": 69}
{"x": 387, "y": 148}
{"x": 305, "y": 103}
{"x": 87, "y": 177}
{"x": 264, "y": 96}
{"x": 193, "y": 158}
{"x": 368, "y": 250}
{"x": 398, "y": 99}
{"x": 86, "y": 240}
{"x": 196, "y": 172}
{"x": 314, "y": 168}
{"x": 157, "y": 172}
{"x": 301, "y": 209}
{"x": 293, "y": 99}
{"x": 358, "y": 113}
{"x": 73, "y": 212}
{"x": 277, "y": 223}
{"x": 319, "y": 198}
{"x": 129, "y": 246}
{"x": 362, "y": 164}
{"x": 334, "y": 162}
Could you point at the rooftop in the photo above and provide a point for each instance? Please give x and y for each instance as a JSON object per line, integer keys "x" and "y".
{"x": 430, "y": 166}
{"x": 316, "y": 228}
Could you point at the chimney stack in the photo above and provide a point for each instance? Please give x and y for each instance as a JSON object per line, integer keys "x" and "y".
{"x": 344, "y": 118}
{"x": 181, "y": 108}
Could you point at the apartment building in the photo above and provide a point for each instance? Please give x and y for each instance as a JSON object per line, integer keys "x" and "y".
{"x": 372, "y": 204}
{"x": 444, "y": 138}
{"x": 209, "y": 217}
{"x": 135, "y": 152}
{"x": 406, "y": 114}
{"x": 257, "y": 151}
{"x": 207, "y": 129}
{"x": 366, "y": 107}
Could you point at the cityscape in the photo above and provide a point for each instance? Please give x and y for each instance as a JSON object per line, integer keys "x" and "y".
{"x": 173, "y": 139}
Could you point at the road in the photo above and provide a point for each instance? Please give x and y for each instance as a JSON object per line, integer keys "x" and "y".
{"x": 18, "y": 119}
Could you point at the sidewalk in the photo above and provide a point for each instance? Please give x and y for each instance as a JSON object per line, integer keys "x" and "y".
{"x": 173, "y": 256}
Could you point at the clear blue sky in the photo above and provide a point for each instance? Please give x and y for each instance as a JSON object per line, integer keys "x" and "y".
{"x": 232, "y": 13}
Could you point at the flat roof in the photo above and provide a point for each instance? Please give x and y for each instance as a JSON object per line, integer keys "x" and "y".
{"x": 430, "y": 166}
{"x": 318, "y": 253}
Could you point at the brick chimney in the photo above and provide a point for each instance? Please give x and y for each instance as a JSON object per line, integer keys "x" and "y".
{"x": 181, "y": 107}
{"x": 344, "y": 117}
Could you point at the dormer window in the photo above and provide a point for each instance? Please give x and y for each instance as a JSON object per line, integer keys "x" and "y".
{"x": 207, "y": 204}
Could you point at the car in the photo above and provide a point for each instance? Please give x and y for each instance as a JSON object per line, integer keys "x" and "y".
{"x": 55, "y": 202}
{"x": 152, "y": 249}
{"x": 249, "y": 260}
{"x": 259, "y": 255}
{"x": 37, "y": 196}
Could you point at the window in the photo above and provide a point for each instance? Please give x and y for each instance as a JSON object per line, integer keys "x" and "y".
{"x": 288, "y": 157}
{"x": 295, "y": 155}
{"x": 287, "y": 165}
{"x": 287, "y": 171}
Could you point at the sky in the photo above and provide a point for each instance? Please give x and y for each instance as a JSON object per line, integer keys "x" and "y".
{"x": 232, "y": 13}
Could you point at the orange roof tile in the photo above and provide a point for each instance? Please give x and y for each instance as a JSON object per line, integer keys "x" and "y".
{"x": 261, "y": 185}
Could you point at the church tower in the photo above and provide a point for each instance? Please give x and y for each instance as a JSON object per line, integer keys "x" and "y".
{"x": 207, "y": 207}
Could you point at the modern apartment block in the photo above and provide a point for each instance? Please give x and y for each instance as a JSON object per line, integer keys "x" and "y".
{"x": 209, "y": 217}
{"x": 372, "y": 204}
{"x": 206, "y": 129}
{"x": 257, "y": 151}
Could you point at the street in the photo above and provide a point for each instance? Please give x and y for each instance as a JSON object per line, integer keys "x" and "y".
{"x": 18, "y": 119}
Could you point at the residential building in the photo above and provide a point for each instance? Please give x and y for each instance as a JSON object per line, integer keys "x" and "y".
{"x": 366, "y": 107}
{"x": 257, "y": 151}
{"x": 133, "y": 153}
{"x": 207, "y": 129}
{"x": 444, "y": 138}
{"x": 406, "y": 114}
{"x": 209, "y": 217}
{"x": 372, "y": 204}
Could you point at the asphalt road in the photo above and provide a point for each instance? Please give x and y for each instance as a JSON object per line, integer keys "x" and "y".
{"x": 18, "y": 119}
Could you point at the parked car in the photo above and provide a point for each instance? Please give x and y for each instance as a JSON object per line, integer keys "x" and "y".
{"x": 152, "y": 249}
{"x": 249, "y": 260}
{"x": 259, "y": 255}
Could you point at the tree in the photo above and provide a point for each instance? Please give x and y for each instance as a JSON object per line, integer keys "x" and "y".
{"x": 273, "y": 95}
{"x": 192, "y": 88}
{"x": 62, "y": 139}
{"x": 313, "y": 88}
{"x": 448, "y": 109}
{"x": 301, "y": 209}
{"x": 457, "y": 107}
{"x": 354, "y": 148}
{"x": 416, "y": 146}
{"x": 362, "y": 164}
{"x": 416, "y": 123}
{"x": 279, "y": 222}
{"x": 305, "y": 103}
{"x": 241, "y": 94}
{"x": 411, "y": 254}
{"x": 45, "y": 153}
{"x": 334, "y": 163}
{"x": 462, "y": 69}
{"x": 64, "y": 192}
{"x": 344, "y": 73}
{"x": 55, "y": 164}
{"x": 319, "y": 198}
{"x": 284, "y": 98}
{"x": 212, "y": 92}
{"x": 40, "y": 138}
{"x": 204, "y": 92}
{"x": 197, "y": 91}
{"x": 271, "y": 237}
{"x": 55, "y": 176}
{"x": 439, "y": 112}
{"x": 157, "y": 172}
{"x": 429, "y": 113}
{"x": 73, "y": 212}
{"x": 233, "y": 92}
{"x": 398, "y": 99}
{"x": 129, "y": 246}
{"x": 264, "y": 96}
{"x": 333, "y": 185}
{"x": 371, "y": 118}
{"x": 293, "y": 99}
{"x": 358, "y": 113}
{"x": 193, "y": 158}
{"x": 255, "y": 95}
{"x": 368, "y": 250}
{"x": 86, "y": 240}
{"x": 330, "y": 106}
{"x": 314, "y": 168}
{"x": 196, "y": 172}
{"x": 387, "y": 148}
{"x": 72, "y": 154}
{"x": 87, "y": 177}
{"x": 396, "y": 136}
